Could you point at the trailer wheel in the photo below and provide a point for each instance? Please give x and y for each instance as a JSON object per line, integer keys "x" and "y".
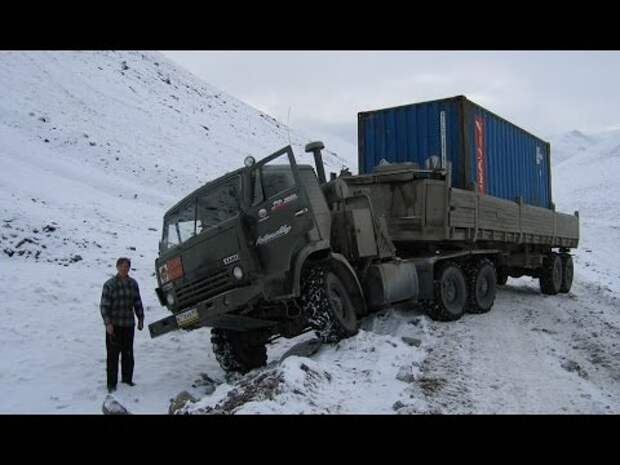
{"x": 450, "y": 293}
{"x": 502, "y": 276}
{"x": 239, "y": 351}
{"x": 567, "y": 272}
{"x": 327, "y": 304}
{"x": 482, "y": 280}
{"x": 551, "y": 274}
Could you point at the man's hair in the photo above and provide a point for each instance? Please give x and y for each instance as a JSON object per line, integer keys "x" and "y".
{"x": 123, "y": 260}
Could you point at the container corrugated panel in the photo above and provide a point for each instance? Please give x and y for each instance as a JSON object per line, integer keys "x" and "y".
{"x": 486, "y": 152}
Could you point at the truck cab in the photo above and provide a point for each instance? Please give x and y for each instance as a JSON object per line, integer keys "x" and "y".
{"x": 233, "y": 252}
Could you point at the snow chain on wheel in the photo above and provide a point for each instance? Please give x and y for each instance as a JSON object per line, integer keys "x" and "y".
{"x": 551, "y": 274}
{"x": 327, "y": 305}
{"x": 449, "y": 291}
{"x": 482, "y": 281}
{"x": 567, "y": 272}
{"x": 239, "y": 351}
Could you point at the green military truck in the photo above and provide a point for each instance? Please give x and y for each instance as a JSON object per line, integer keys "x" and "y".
{"x": 274, "y": 249}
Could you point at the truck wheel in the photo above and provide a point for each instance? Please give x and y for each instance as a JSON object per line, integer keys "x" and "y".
{"x": 502, "y": 276}
{"x": 567, "y": 272}
{"x": 239, "y": 351}
{"x": 450, "y": 293}
{"x": 551, "y": 274}
{"x": 482, "y": 280}
{"x": 327, "y": 304}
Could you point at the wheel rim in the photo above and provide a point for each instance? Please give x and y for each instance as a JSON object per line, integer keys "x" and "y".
{"x": 486, "y": 280}
{"x": 452, "y": 292}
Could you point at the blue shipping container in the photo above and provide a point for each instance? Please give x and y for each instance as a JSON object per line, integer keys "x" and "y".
{"x": 486, "y": 153}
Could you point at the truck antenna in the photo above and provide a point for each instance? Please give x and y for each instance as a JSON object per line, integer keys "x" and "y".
{"x": 288, "y": 127}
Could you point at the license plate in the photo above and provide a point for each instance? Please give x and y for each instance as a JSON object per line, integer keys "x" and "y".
{"x": 187, "y": 318}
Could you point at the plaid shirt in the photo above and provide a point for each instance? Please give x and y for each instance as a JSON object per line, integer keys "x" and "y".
{"x": 119, "y": 298}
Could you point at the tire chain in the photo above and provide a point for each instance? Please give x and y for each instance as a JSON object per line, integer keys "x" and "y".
{"x": 315, "y": 305}
{"x": 222, "y": 348}
{"x": 229, "y": 360}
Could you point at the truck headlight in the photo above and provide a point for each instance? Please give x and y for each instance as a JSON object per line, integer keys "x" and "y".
{"x": 163, "y": 273}
{"x": 170, "y": 298}
{"x": 238, "y": 272}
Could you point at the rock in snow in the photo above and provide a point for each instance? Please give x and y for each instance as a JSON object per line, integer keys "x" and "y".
{"x": 397, "y": 405}
{"x": 405, "y": 374}
{"x": 572, "y": 366}
{"x": 303, "y": 349}
{"x": 179, "y": 402}
{"x": 412, "y": 341}
{"x": 112, "y": 407}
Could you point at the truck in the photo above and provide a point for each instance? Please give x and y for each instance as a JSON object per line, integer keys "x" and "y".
{"x": 274, "y": 249}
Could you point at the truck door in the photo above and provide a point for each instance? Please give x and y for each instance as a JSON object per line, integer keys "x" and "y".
{"x": 280, "y": 212}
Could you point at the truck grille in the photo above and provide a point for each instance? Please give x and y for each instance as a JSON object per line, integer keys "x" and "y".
{"x": 204, "y": 288}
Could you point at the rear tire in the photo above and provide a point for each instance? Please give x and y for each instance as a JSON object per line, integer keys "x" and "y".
{"x": 450, "y": 293}
{"x": 327, "y": 304}
{"x": 482, "y": 286}
{"x": 239, "y": 351}
{"x": 502, "y": 276}
{"x": 551, "y": 274}
{"x": 567, "y": 273}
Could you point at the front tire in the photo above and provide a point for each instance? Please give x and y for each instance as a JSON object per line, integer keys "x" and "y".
{"x": 450, "y": 293}
{"x": 239, "y": 351}
{"x": 327, "y": 304}
{"x": 482, "y": 286}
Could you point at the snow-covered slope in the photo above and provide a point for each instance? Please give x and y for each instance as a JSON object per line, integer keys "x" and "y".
{"x": 95, "y": 146}
{"x": 585, "y": 178}
{"x": 102, "y": 139}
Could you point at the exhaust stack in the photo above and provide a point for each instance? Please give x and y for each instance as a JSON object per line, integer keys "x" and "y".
{"x": 315, "y": 148}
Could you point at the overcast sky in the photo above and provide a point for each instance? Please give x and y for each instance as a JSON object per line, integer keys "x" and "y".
{"x": 546, "y": 93}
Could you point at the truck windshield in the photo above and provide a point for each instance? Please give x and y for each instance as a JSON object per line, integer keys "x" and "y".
{"x": 204, "y": 210}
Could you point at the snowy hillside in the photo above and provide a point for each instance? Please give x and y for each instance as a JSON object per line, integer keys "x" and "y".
{"x": 586, "y": 179}
{"x": 96, "y": 146}
{"x": 97, "y": 133}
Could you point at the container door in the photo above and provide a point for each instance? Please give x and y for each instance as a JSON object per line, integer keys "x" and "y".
{"x": 542, "y": 192}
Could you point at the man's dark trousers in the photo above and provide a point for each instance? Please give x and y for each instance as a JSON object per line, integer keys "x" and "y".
{"x": 121, "y": 343}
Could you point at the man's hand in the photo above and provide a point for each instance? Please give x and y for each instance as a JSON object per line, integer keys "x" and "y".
{"x": 140, "y": 325}
{"x": 110, "y": 329}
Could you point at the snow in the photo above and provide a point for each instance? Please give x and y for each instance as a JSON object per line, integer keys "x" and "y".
{"x": 127, "y": 138}
{"x": 587, "y": 181}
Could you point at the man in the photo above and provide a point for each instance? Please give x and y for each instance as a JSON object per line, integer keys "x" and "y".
{"x": 119, "y": 299}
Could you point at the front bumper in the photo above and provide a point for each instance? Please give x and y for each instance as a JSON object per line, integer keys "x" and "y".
{"x": 215, "y": 312}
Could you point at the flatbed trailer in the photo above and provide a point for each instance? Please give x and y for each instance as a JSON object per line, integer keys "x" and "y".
{"x": 421, "y": 209}
{"x": 429, "y": 221}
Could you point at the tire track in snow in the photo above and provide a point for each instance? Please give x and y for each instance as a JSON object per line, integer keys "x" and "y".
{"x": 530, "y": 354}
